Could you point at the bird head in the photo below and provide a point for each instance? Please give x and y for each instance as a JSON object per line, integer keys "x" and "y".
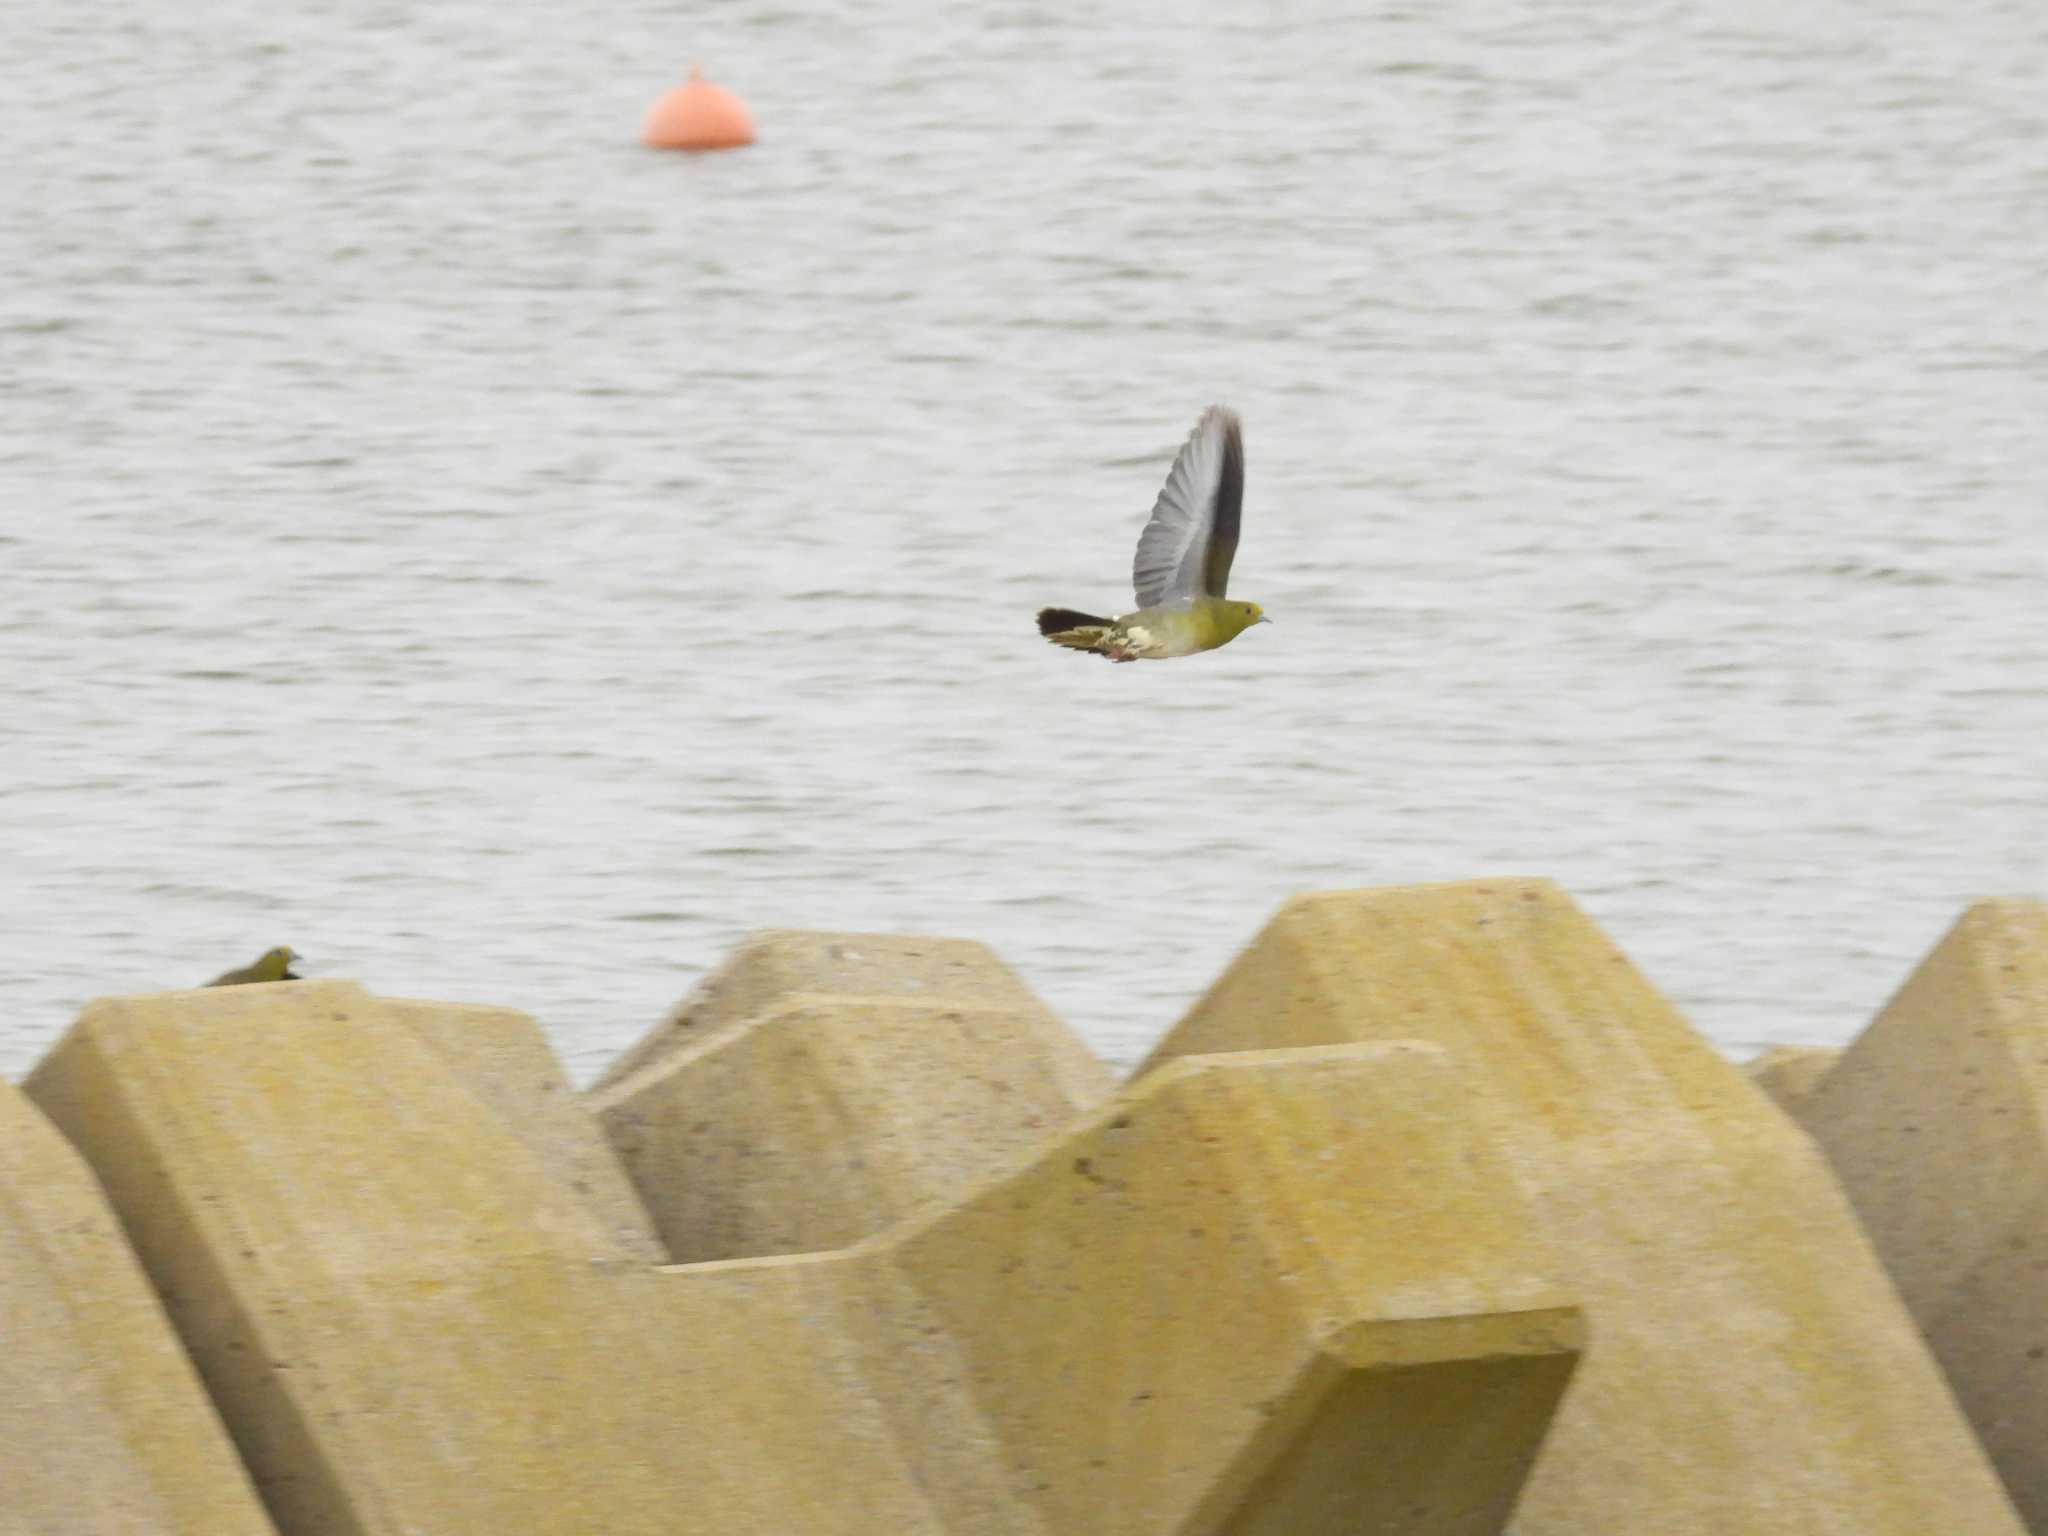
{"x": 1230, "y": 618}
{"x": 276, "y": 964}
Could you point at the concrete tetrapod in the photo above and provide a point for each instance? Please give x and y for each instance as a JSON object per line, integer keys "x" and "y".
{"x": 1936, "y": 1122}
{"x": 777, "y": 962}
{"x": 1282, "y": 1292}
{"x": 104, "y": 1427}
{"x": 821, "y": 1120}
{"x": 1178, "y": 1317}
{"x": 1752, "y": 1371}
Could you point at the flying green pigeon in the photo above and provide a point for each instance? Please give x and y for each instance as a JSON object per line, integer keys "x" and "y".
{"x": 272, "y": 965}
{"x": 1183, "y": 560}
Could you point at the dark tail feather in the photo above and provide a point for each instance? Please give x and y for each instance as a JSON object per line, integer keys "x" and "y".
{"x": 1053, "y": 620}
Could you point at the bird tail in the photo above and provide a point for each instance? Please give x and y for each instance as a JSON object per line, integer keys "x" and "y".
{"x": 1076, "y": 631}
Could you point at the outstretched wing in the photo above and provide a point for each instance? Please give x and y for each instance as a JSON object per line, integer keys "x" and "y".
{"x": 1186, "y": 550}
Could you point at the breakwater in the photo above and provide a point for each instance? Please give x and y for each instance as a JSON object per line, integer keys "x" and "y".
{"x": 1431, "y": 1215}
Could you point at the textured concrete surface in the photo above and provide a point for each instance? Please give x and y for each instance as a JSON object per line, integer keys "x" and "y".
{"x": 1751, "y": 1371}
{"x": 1180, "y": 1317}
{"x": 820, "y": 1120}
{"x": 1789, "y": 1073}
{"x": 1277, "y": 1292}
{"x": 409, "y": 1321}
{"x": 1936, "y": 1122}
{"x": 104, "y": 1427}
{"x": 503, "y": 1059}
{"x": 777, "y": 962}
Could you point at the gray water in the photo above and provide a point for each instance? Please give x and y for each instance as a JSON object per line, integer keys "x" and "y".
{"x": 509, "y": 564}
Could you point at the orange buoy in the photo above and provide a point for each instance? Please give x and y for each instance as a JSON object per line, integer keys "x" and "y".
{"x": 698, "y": 115}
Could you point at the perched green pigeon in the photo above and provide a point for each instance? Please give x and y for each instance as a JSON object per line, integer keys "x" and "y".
{"x": 1183, "y": 560}
{"x": 271, "y": 965}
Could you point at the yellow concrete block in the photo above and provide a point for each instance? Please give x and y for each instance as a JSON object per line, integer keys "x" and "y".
{"x": 774, "y": 963}
{"x": 1276, "y": 1292}
{"x": 1936, "y": 1122}
{"x": 1179, "y": 1318}
{"x": 1789, "y": 1073}
{"x": 1752, "y": 1370}
{"x": 409, "y": 1322}
{"x": 821, "y": 1120}
{"x": 104, "y": 1427}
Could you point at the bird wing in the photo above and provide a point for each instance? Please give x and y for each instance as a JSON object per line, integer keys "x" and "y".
{"x": 1186, "y": 549}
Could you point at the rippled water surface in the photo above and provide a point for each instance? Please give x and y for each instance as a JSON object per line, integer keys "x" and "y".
{"x": 509, "y": 564}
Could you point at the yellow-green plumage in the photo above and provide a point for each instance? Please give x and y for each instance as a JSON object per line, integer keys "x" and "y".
{"x": 271, "y": 965}
{"x": 1152, "y": 634}
{"x": 1183, "y": 560}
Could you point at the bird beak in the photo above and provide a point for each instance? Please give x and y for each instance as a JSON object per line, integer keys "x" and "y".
{"x": 1264, "y": 620}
